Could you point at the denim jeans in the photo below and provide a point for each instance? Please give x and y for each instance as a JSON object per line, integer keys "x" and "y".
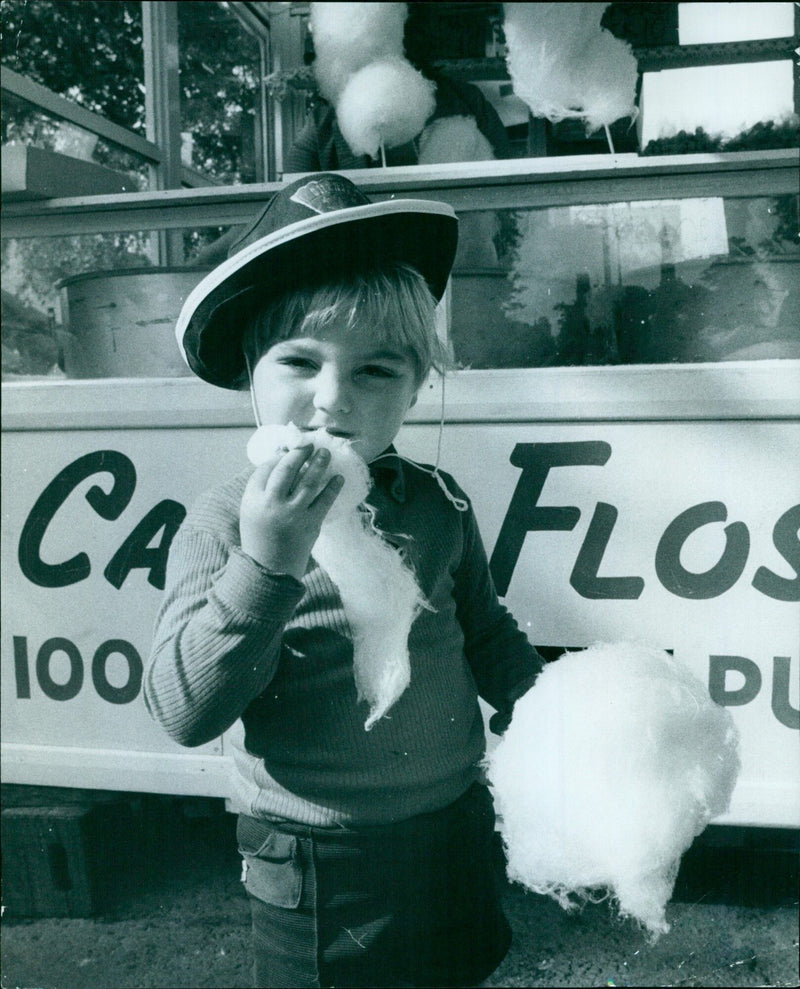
{"x": 410, "y": 904}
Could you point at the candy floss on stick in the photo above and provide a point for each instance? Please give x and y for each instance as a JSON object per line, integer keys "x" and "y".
{"x": 542, "y": 41}
{"x": 379, "y": 593}
{"x": 615, "y": 760}
{"x": 562, "y": 63}
{"x": 383, "y": 105}
{"x": 453, "y": 139}
{"x": 611, "y": 72}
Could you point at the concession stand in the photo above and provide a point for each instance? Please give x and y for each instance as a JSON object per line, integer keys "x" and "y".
{"x": 624, "y": 412}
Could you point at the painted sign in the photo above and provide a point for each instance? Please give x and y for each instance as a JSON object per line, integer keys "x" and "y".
{"x": 683, "y": 535}
{"x": 680, "y": 535}
{"x": 88, "y": 518}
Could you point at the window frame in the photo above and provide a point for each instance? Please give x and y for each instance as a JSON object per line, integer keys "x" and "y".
{"x": 162, "y": 145}
{"x": 736, "y": 390}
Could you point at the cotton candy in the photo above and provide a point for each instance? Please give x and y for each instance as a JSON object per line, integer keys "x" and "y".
{"x": 613, "y": 763}
{"x": 541, "y": 40}
{"x": 385, "y": 103}
{"x": 348, "y": 36}
{"x": 380, "y": 99}
{"x": 562, "y": 63}
{"x": 455, "y": 138}
{"x": 610, "y": 76}
{"x": 344, "y": 460}
{"x": 379, "y": 592}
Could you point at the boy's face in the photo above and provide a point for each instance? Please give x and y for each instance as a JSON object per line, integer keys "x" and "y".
{"x": 341, "y": 380}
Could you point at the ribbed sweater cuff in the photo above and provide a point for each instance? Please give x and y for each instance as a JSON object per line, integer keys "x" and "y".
{"x": 251, "y": 589}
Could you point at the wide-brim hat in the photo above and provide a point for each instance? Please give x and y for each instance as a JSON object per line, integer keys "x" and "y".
{"x": 316, "y": 227}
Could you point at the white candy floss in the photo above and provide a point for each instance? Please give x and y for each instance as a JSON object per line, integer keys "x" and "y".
{"x": 385, "y": 103}
{"x": 614, "y": 761}
{"x": 379, "y": 593}
{"x": 562, "y": 63}
{"x": 348, "y": 36}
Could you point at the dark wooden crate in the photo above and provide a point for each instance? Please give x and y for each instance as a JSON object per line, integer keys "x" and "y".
{"x": 58, "y": 860}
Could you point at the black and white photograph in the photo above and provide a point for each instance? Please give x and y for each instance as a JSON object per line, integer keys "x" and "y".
{"x": 400, "y": 494}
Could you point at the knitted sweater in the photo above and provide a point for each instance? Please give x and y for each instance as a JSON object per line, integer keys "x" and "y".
{"x": 237, "y": 645}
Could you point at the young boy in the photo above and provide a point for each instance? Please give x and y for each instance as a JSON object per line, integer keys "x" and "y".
{"x": 369, "y": 855}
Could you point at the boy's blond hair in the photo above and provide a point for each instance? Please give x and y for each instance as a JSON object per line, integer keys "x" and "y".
{"x": 394, "y": 301}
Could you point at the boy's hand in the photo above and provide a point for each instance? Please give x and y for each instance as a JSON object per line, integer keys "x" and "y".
{"x": 283, "y": 507}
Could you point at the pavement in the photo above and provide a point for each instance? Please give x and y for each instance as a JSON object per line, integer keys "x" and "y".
{"x": 173, "y": 914}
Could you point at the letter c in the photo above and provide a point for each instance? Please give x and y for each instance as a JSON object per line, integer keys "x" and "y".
{"x": 107, "y": 505}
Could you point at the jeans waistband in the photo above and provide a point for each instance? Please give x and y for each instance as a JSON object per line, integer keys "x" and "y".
{"x": 477, "y": 794}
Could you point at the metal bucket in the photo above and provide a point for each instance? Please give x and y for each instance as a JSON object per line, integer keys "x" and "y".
{"x": 121, "y": 324}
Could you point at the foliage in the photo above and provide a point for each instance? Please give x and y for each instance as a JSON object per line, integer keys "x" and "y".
{"x": 91, "y": 53}
{"x": 768, "y": 134}
{"x": 48, "y": 260}
{"x": 86, "y": 51}
{"x": 219, "y": 78}
{"x": 282, "y": 83}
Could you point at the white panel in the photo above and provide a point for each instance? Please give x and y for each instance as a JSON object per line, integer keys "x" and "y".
{"x": 706, "y": 23}
{"x": 722, "y": 99}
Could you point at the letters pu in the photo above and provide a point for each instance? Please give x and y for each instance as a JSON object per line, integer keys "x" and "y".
{"x": 721, "y": 693}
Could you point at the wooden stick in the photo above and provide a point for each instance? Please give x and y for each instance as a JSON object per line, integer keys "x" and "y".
{"x": 608, "y": 138}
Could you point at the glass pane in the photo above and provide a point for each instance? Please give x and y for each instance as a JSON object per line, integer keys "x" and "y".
{"x": 220, "y": 81}
{"x": 23, "y": 123}
{"x": 689, "y": 109}
{"x": 701, "y": 23}
{"x": 207, "y": 246}
{"x": 626, "y": 283}
{"x": 95, "y": 306}
{"x": 88, "y": 52}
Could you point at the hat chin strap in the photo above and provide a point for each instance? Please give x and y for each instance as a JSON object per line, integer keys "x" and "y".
{"x": 253, "y": 404}
{"x": 459, "y": 504}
